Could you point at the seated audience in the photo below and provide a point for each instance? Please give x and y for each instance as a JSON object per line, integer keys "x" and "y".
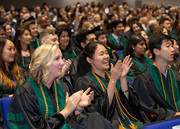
{"x": 157, "y": 87}
{"x": 113, "y": 99}
{"x": 43, "y": 98}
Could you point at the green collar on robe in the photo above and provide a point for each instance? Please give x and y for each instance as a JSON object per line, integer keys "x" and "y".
{"x": 110, "y": 51}
{"x": 61, "y": 99}
{"x": 175, "y": 33}
{"x": 67, "y": 54}
{"x": 130, "y": 73}
{"x": 115, "y": 44}
{"x": 25, "y": 61}
{"x": 157, "y": 80}
{"x": 118, "y": 87}
{"x": 35, "y": 44}
{"x": 172, "y": 35}
{"x": 146, "y": 59}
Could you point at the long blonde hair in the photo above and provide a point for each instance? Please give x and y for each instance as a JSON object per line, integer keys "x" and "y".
{"x": 41, "y": 60}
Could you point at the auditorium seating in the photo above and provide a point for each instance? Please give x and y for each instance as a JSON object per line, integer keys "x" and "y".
{"x": 5, "y": 102}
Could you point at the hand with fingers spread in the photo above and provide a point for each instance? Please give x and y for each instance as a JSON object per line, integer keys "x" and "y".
{"x": 125, "y": 66}
{"x": 71, "y": 103}
{"x": 86, "y": 99}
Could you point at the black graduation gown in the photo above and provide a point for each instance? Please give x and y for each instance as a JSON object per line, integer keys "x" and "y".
{"x": 149, "y": 95}
{"x": 25, "y": 101}
{"x": 101, "y": 101}
{"x": 136, "y": 70}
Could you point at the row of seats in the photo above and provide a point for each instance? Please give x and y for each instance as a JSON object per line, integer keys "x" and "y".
{"x": 168, "y": 124}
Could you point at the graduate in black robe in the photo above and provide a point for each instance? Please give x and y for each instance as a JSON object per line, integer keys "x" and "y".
{"x": 136, "y": 48}
{"x": 158, "y": 86}
{"x": 113, "y": 99}
{"x": 41, "y": 101}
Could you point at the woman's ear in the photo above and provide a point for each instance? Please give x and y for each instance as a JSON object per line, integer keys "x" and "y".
{"x": 133, "y": 47}
{"x": 89, "y": 60}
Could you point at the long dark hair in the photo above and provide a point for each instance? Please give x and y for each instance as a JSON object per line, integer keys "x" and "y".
{"x": 83, "y": 66}
{"x": 60, "y": 30}
{"x": 133, "y": 41}
{"x": 13, "y": 68}
{"x": 19, "y": 32}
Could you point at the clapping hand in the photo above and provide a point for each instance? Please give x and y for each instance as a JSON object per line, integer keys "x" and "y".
{"x": 66, "y": 67}
{"x": 71, "y": 103}
{"x": 125, "y": 66}
{"x": 86, "y": 99}
{"x": 115, "y": 74}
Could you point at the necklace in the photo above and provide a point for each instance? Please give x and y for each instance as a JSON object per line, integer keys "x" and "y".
{"x": 45, "y": 101}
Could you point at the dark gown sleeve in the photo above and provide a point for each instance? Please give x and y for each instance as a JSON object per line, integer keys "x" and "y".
{"x": 151, "y": 100}
{"x": 25, "y": 102}
{"x": 73, "y": 67}
{"x": 133, "y": 105}
{"x": 101, "y": 101}
{"x": 135, "y": 69}
{"x": 2, "y": 94}
{"x": 91, "y": 120}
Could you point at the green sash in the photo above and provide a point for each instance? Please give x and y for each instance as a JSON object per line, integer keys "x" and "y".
{"x": 130, "y": 73}
{"x": 35, "y": 44}
{"x": 171, "y": 34}
{"x": 60, "y": 95}
{"x": 115, "y": 44}
{"x": 157, "y": 80}
{"x": 67, "y": 54}
{"x": 140, "y": 65}
{"x": 123, "y": 41}
{"x": 174, "y": 32}
{"x": 25, "y": 61}
{"x": 118, "y": 87}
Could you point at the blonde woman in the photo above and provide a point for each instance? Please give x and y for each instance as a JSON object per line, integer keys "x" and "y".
{"x": 41, "y": 102}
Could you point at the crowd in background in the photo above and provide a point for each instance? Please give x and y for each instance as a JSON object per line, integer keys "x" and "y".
{"x": 118, "y": 27}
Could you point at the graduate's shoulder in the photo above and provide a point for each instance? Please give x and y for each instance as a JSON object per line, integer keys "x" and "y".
{"x": 84, "y": 79}
{"x": 25, "y": 87}
{"x": 144, "y": 76}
